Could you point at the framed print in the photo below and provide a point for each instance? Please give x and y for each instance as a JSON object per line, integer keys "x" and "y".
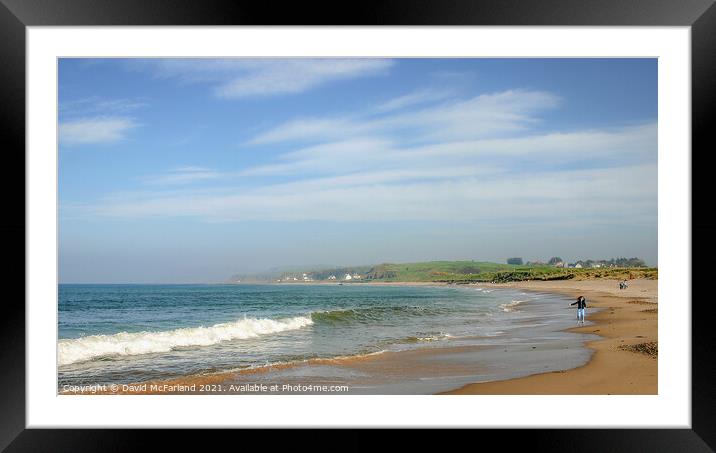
{"x": 359, "y": 226}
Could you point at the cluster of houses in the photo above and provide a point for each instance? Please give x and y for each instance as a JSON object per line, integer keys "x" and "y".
{"x": 309, "y": 278}
{"x": 577, "y": 265}
{"x": 293, "y": 278}
{"x": 354, "y": 276}
{"x": 589, "y": 263}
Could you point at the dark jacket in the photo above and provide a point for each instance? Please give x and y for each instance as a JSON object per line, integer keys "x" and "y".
{"x": 581, "y": 303}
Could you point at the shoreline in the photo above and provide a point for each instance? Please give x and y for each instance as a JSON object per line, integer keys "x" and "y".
{"x": 349, "y": 283}
{"x": 627, "y": 318}
{"x": 608, "y": 370}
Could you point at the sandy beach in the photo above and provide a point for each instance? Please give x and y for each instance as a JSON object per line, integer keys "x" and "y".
{"x": 628, "y": 319}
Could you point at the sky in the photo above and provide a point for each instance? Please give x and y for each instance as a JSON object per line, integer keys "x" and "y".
{"x": 192, "y": 170}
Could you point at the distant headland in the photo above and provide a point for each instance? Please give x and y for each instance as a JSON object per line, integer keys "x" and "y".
{"x": 459, "y": 272}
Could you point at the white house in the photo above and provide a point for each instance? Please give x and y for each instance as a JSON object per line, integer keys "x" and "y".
{"x": 348, "y": 277}
{"x": 332, "y": 277}
{"x": 356, "y": 277}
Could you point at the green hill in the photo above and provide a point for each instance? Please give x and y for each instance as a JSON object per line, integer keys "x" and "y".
{"x": 435, "y": 271}
{"x": 480, "y": 271}
{"x": 468, "y": 272}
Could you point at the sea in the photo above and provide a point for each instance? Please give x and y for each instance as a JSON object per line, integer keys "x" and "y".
{"x": 120, "y": 334}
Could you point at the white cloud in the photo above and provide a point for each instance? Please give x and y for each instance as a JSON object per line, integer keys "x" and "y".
{"x": 96, "y": 120}
{"x": 475, "y": 159}
{"x": 481, "y": 116}
{"x": 120, "y": 105}
{"x": 311, "y": 129}
{"x": 296, "y": 76}
{"x": 611, "y": 146}
{"x": 242, "y": 78}
{"x": 411, "y": 99}
{"x": 355, "y": 181}
{"x": 184, "y": 175}
{"x": 97, "y": 130}
{"x": 344, "y": 156}
{"x": 627, "y": 143}
{"x": 96, "y": 105}
{"x": 603, "y": 195}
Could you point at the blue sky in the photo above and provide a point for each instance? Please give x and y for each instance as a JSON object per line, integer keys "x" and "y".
{"x": 193, "y": 170}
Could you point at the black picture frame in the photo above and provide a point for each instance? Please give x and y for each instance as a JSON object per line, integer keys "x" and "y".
{"x": 16, "y": 15}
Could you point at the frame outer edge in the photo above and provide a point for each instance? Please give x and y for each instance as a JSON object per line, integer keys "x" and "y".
{"x": 703, "y": 100}
{"x": 12, "y": 225}
{"x": 381, "y": 12}
{"x": 12, "y": 125}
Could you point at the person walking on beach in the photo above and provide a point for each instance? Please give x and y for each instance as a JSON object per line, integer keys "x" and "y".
{"x": 581, "y": 304}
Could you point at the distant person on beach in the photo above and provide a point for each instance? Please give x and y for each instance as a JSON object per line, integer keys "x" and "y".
{"x": 623, "y": 285}
{"x": 581, "y": 304}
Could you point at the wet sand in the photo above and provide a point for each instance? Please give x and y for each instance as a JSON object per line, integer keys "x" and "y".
{"x": 419, "y": 371}
{"x": 629, "y": 318}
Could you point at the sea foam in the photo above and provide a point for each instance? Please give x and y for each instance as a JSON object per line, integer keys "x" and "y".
{"x": 511, "y": 306}
{"x": 125, "y": 344}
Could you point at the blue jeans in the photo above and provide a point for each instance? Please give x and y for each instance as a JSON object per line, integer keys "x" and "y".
{"x": 580, "y": 314}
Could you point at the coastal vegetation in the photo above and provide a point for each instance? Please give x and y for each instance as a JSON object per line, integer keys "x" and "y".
{"x": 474, "y": 271}
{"x": 463, "y": 272}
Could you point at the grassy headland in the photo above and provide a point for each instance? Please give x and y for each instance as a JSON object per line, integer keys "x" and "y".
{"x": 476, "y": 271}
{"x": 464, "y": 272}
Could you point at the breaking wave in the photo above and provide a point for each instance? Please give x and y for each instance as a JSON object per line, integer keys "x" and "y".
{"x": 368, "y": 314}
{"x": 126, "y": 344}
